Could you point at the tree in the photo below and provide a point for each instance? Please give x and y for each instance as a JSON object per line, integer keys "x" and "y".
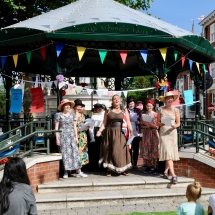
{"x": 2, "y": 100}
{"x": 13, "y": 11}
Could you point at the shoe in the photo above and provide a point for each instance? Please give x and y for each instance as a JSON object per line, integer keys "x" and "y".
{"x": 174, "y": 179}
{"x": 81, "y": 175}
{"x": 152, "y": 168}
{"x": 147, "y": 170}
{"x": 144, "y": 165}
{"x": 165, "y": 175}
{"x": 155, "y": 172}
{"x": 65, "y": 175}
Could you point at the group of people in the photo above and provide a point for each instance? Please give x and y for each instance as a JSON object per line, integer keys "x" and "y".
{"x": 105, "y": 142}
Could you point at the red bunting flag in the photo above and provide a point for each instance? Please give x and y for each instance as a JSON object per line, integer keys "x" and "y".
{"x": 182, "y": 61}
{"x": 43, "y": 52}
{"x": 209, "y": 68}
{"x": 123, "y": 55}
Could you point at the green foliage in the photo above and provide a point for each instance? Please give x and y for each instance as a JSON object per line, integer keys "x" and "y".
{"x": 2, "y": 101}
{"x": 13, "y": 11}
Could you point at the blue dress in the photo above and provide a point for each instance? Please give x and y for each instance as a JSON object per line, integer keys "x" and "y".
{"x": 68, "y": 145}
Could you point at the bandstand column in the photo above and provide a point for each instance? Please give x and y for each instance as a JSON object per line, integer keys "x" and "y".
{"x": 117, "y": 82}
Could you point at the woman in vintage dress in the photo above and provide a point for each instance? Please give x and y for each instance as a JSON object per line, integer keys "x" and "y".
{"x": 67, "y": 139}
{"x": 168, "y": 135}
{"x": 150, "y": 140}
{"x": 114, "y": 152}
{"x": 82, "y": 135}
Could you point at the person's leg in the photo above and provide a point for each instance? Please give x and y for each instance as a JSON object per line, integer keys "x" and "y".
{"x": 135, "y": 145}
{"x": 171, "y": 167}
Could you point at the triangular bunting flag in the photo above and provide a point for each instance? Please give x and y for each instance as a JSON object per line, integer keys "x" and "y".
{"x": 59, "y": 47}
{"x": 118, "y": 93}
{"x": 175, "y": 54}
{"x": 61, "y": 84}
{"x": 197, "y": 65}
{"x": 110, "y": 93}
{"x": 43, "y": 85}
{"x": 15, "y": 59}
{"x": 70, "y": 87}
{"x": 182, "y": 61}
{"x": 123, "y": 55}
{"x": 102, "y": 54}
{"x": 28, "y": 54}
{"x": 144, "y": 54}
{"x": 99, "y": 93}
{"x": 125, "y": 93}
{"x": 191, "y": 64}
{"x": 3, "y": 59}
{"x": 78, "y": 89}
{"x": 81, "y": 51}
{"x": 163, "y": 53}
{"x": 89, "y": 91}
{"x": 204, "y": 68}
{"x": 209, "y": 68}
{"x": 43, "y": 52}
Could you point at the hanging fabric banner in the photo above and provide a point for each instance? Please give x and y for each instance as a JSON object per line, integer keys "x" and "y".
{"x": 175, "y": 54}
{"x": 28, "y": 55}
{"x": 15, "y": 59}
{"x": 78, "y": 89}
{"x": 102, "y": 54}
{"x": 188, "y": 97}
{"x": 80, "y": 51}
{"x": 89, "y": 91}
{"x": 197, "y": 65}
{"x": 37, "y": 100}
{"x": 43, "y": 52}
{"x": 16, "y": 101}
{"x": 123, "y": 55}
{"x": 59, "y": 47}
{"x": 191, "y": 64}
{"x": 144, "y": 54}
{"x": 182, "y": 61}
{"x": 125, "y": 93}
{"x": 185, "y": 78}
{"x": 163, "y": 53}
{"x": 3, "y": 59}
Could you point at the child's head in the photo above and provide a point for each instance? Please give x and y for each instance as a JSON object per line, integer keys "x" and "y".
{"x": 193, "y": 191}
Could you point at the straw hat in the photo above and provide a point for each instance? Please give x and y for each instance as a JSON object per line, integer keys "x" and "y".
{"x": 169, "y": 94}
{"x": 64, "y": 101}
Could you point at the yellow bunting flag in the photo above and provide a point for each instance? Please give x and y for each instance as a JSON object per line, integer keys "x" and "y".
{"x": 15, "y": 59}
{"x": 197, "y": 65}
{"x": 163, "y": 53}
{"x": 81, "y": 51}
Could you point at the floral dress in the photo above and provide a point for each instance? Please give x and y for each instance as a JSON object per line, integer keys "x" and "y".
{"x": 150, "y": 141}
{"x": 68, "y": 145}
{"x": 82, "y": 141}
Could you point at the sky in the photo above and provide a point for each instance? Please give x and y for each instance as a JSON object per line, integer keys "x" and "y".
{"x": 181, "y": 12}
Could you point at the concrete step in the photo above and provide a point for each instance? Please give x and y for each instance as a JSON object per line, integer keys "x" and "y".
{"x": 70, "y": 200}
{"x": 99, "y": 182}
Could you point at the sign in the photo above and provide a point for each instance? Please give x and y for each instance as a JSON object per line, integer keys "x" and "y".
{"x": 16, "y": 101}
{"x": 188, "y": 97}
{"x": 211, "y": 108}
{"x": 37, "y": 100}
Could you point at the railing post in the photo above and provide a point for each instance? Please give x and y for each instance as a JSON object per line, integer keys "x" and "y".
{"x": 8, "y": 122}
{"x": 197, "y": 134}
{"x": 203, "y": 129}
{"x": 48, "y": 119}
{"x": 31, "y": 131}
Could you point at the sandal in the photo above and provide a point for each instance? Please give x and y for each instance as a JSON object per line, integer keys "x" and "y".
{"x": 108, "y": 174}
{"x": 125, "y": 174}
{"x": 165, "y": 175}
{"x": 174, "y": 179}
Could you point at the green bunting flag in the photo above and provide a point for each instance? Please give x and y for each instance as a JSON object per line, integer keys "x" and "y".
{"x": 102, "y": 54}
{"x": 204, "y": 67}
{"x": 28, "y": 54}
{"x": 175, "y": 54}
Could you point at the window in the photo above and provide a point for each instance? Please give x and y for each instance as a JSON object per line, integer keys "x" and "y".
{"x": 212, "y": 33}
{"x": 213, "y": 70}
{"x": 213, "y": 98}
{"x": 190, "y": 83}
{"x": 84, "y": 80}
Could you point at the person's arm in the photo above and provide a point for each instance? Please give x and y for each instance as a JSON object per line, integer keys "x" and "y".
{"x": 75, "y": 130}
{"x": 57, "y": 128}
{"x": 31, "y": 202}
{"x": 159, "y": 119}
{"x": 102, "y": 127}
{"x": 129, "y": 124}
{"x": 177, "y": 119}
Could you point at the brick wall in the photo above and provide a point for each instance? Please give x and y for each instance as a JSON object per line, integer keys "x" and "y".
{"x": 43, "y": 172}
{"x": 194, "y": 169}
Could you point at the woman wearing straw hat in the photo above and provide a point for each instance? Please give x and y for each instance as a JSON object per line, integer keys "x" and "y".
{"x": 168, "y": 135}
{"x": 68, "y": 139}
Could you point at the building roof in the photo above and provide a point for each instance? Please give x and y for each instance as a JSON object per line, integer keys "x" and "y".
{"x": 208, "y": 19}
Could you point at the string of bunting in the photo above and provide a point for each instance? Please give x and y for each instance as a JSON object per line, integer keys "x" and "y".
{"x": 103, "y": 52}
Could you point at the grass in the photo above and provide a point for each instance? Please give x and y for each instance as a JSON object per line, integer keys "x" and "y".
{"x": 155, "y": 213}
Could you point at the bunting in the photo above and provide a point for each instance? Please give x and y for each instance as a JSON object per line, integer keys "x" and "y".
{"x": 191, "y": 65}
{"x": 197, "y": 65}
{"x": 102, "y": 54}
{"x": 15, "y": 59}
{"x": 81, "y": 51}
{"x": 144, "y": 54}
{"x": 182, "y": 61}
{"x": 3, "y": 59}
{"x": 204, "y": 68}
{"x": 28, "y": 55}
{"x": 123, "y": 55}
{"x": 43, "y": 52}
{"x": 59, "y": 47}
{"x": 89, "y": 91}
{"x": 163, "y": 52}
{"x": 175, "y": 54}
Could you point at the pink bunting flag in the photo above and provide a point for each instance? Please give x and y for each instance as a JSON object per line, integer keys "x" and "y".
{"x": 182, "y": 61}
{"x": 209, "y": 68}
{"x": 123, "y": 55}
{"x": 70, "y": 87}
{"x": 43, "y": 52}
{"x": 110, "y": 93}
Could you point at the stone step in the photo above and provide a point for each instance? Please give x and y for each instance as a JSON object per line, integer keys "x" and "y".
{"x": 70, "y": 200}
{"x": 99, "y": 182}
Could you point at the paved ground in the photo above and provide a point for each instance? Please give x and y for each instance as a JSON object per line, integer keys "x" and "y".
{"x": 120, "y": 209}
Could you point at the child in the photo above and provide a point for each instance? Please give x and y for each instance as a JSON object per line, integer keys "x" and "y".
{"x": 211, "y": 207}
{"x": 191, "y": 207}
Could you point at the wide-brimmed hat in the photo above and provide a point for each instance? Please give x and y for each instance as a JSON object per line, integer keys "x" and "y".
{"x": 79, "y": 102}
{"x": 169, "y": 94}
{"x": 64, "y": 101}
{"x": 130, "y": 99}
{"x": 98, "y": 105}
